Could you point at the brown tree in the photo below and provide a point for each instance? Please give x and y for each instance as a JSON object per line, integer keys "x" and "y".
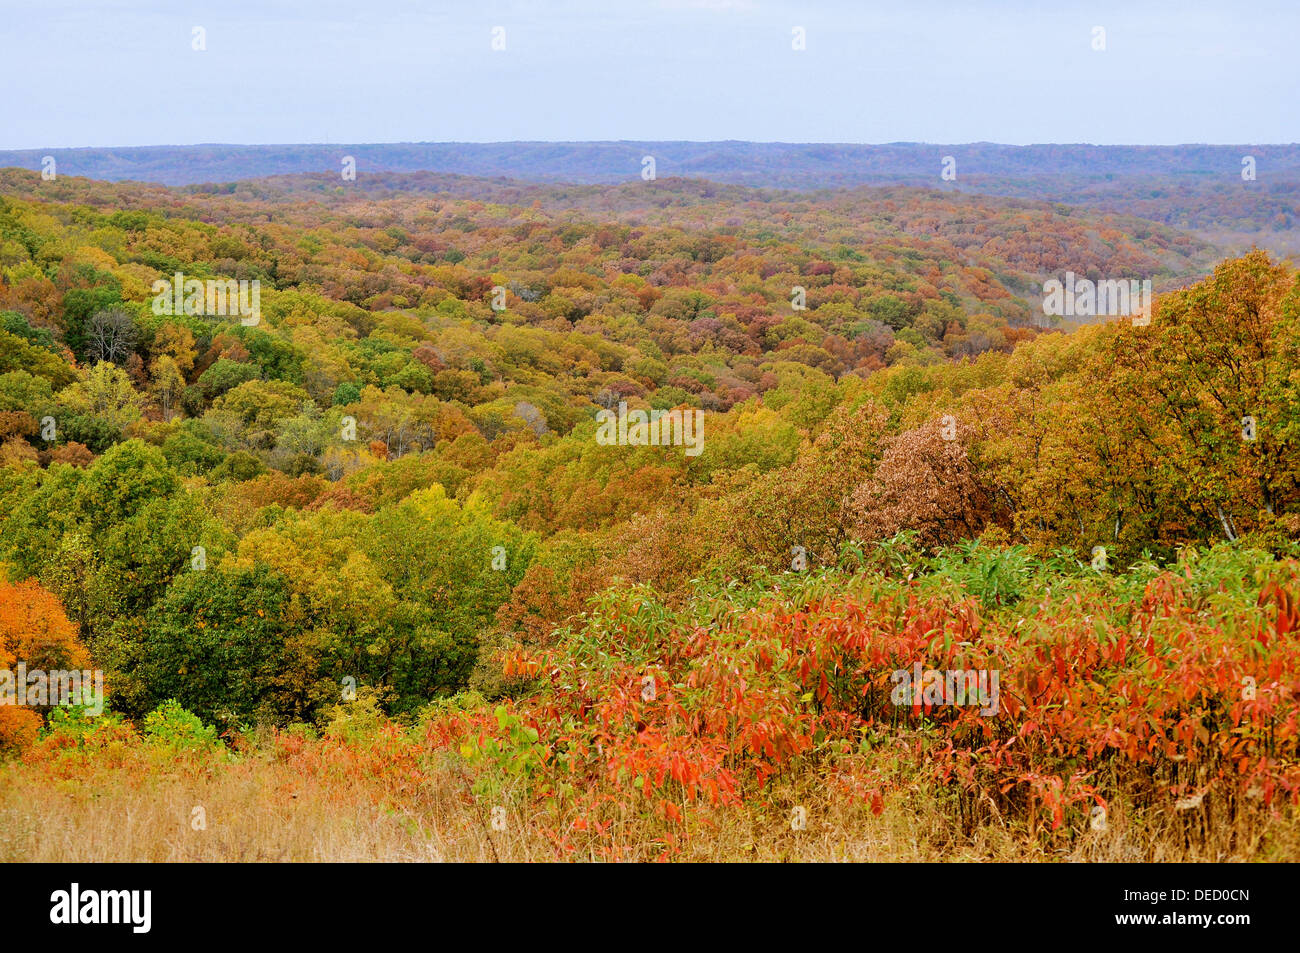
{"x": 927, "y": 484}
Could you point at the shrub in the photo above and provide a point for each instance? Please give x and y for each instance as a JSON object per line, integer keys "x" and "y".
{"x": 171, "y": 726}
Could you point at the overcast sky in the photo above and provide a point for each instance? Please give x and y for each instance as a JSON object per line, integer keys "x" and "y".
{"x": 123, "y": 72}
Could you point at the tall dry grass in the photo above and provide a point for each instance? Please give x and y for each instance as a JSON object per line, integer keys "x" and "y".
{"x": 259, "y": 809}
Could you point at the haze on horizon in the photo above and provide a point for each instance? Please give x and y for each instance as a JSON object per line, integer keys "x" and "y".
{"x": 387, "y": 71}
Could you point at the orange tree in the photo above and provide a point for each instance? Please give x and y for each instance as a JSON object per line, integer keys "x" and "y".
{"x": 34, "y": 630}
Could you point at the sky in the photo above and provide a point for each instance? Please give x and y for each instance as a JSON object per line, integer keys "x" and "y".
{"x": 125, "y": 72}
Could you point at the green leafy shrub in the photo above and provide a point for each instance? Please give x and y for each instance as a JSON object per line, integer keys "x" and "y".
{"x": 170, "y": 725}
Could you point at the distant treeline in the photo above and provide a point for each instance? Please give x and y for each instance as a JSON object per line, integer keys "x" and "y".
{"x": 774, "y": 164}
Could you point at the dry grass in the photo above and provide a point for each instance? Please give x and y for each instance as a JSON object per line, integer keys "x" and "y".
{"x": 262, "y": 810}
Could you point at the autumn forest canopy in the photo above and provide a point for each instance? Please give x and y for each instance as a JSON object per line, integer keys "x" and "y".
{"x": 370, "y": 532}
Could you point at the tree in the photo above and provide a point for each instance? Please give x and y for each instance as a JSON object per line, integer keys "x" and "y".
{"x": 926, "y": 484}
{"x": 226, "y": 375}
{"x": 20, "y": 390}
{"x": 18, "y": 355}
{"x": 190, "y": 450}
{"x": 17, "y": 423}
{"x": 80, "y": 304}
{"x": 73, "y": 454}
{"x": 216, "y": 643}
{"x": 16, "y": 324}
{"x": 140, "y": 556}
{"x": 34, "y": 630}
{"x": 106, "y": 395}
{"x": 110, "y": 336}
{"x": 257, "y": 407}
{"x": 40, "y": 510}
{"x": 238, "y": 467}
{"x": 167, "y": 384}
{"x": 1215, "y": 354}
{"x": 760, "y": 518}
{"x": 438, "y": 558}
{"x": 177, "y": 342}
{"x": 122, "y": 482}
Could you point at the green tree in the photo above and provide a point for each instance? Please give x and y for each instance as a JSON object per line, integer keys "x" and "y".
{"x": 216, "y": 643}
{"x": 121, "y": 483}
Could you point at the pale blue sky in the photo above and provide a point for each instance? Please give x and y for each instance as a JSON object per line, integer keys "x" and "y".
{"x": 122, "y": 72}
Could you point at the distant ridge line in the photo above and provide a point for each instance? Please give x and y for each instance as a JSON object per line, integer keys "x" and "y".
{"x": 773, "y": 164}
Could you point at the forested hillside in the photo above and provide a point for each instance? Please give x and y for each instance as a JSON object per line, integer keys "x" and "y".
{"x": 1196, "y": 188}
{"x": 366, "y": 544}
